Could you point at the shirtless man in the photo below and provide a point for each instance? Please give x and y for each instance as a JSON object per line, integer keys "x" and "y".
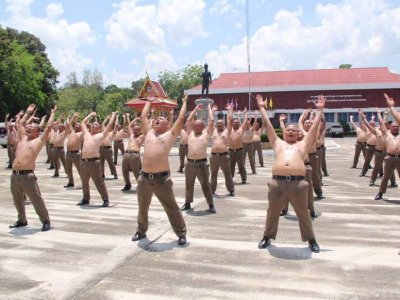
{"x": 106, "y": 152}
{"x": 392, "y": 159}
{"x": 257, "y": 131}
{"x": 155, "y": 177}
{"x": 11, "y": 140}
{"x": 370, "y": 150}
{"x": 131, "y": 158}
{"x": 90, "y": 165}
{"x": 379, "y": 150}
{"x": 197, "y": 165}
{"x": 219, "y": 154}
{"x": 119, "y": 143}
{"x": 361, "y": 141}
{"x": 288, "y": 174}
{"x": 248, "y": 146}
{"x": 59, "y": 137}
{"x": 183, "y": 149}
{"x": 74, "y": 145}
{"x": 305, "y": 125}
{"x": 23, "y": 179}
{"x": 236, "y": 146}
{"x": 51, "y": 144}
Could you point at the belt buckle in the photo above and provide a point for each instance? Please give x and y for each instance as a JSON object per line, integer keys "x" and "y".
{"x": 17, "y": 172}
{"x": 151, "y": 176}
{"x": 288, "y": 178}
{"x": 396, "y": 156}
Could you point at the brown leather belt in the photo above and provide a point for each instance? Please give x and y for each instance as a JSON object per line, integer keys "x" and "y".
{"x": 288, "y": 177}
{"x": 219, "y": 153}
{"x": 197, "y": 160}
{"x": 235, "y": 150}
{"x": 90, "y": 159}
{"x": 151, "y": 176}
{"x": 21, "y": 172}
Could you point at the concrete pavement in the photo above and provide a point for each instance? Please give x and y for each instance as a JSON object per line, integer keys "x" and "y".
{"x": 89, "y": 253}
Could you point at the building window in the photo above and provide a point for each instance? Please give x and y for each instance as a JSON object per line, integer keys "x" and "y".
{"x": 344, "y": 117}
{"x": 329, "y": 117}
{"x": 370, "y": 114}
{"x": 294, "y": 117}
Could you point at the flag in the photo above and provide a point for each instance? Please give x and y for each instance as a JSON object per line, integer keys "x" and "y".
{"x": 270, "y": 103}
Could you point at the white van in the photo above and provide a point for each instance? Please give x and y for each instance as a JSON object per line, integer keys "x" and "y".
{"x": 3, "y": 135}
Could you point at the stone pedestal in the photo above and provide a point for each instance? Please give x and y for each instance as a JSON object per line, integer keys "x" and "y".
{"x": 203, "y": 114}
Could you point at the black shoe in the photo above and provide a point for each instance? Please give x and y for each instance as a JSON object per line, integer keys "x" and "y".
{"x": 393, "y": 184}
{"x": 46, "y": 226}
{"x": 212, "y": 209}
{"x": 254, "y": 173}
{"x": 56, "y": 175}
{"x": 380, "y": 174}
{"x": 138, "y": 236}
{"x": 115, "y": 176}
{"x": 182, "y": 240}
{"x": 232, "y": 193}
{"x": 83, "y": 202}
{"x": 115, "y": 163}
{"x": 244, "y": 181}
{"x": 283, "y": 212}
{"x": 69, "y": 185}
{"x": 361, "y": 174}
{"x": 180, "y": 170}
{"x": 326, "y": 174}
{"x": 126, "y": 188}
{"x": 314, "y": 247}
{"x": 18, "y": 224}
{"x": 371, "y": 183}
{"x": 379, "y": 196}
{"x": 262, "y": 165}
{"x": 313, "y": 214}
{"x": 9, "y": 167}
{"x": 106, "y": 203}
{"x": 370, "y": 167}
{"x": 264, "y": 243}
{"x": 102, "y": 176}
{"x": 320, "y": 196}
{"x": 353, "y": 167}
{"x": 50, "y": 168}
{"x": 185, "y": 206}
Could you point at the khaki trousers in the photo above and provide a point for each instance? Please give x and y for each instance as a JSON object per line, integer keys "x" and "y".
{"x": 10, "y": 153}
{"x": 248, "y": 149}
{"x": 295, "y": 192}
{"x": 183, "y": 151}
{"x": 378, "y": 166}
{"x": 310, "y": 194}
{"x": 72, "y": 159}
{"x": 201, "y": 170}
{"x": 130, "y": 163}
{"x": 106, "y": 154}
{"x": 323, "y": 160}
{"x": 257, "y": 148}
{"x": 236, "y": 156}
{"x": 51, "y": 155}
{"x": 369, "y": 154}
{"x": 162, "y": 188}
{"x": 26, "y": 184}
{"x": 359, "y": 147}
{"x": 313, "y": 158}
{"x": 118, "y": 146}
{"x": 92, "y": 169}
{"x": 59, "y": 154}
{"x": 391, "y": 164}
{"x": 221, "y": 161}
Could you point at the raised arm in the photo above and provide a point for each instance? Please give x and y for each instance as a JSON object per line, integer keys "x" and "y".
{"x": 366, "y": 123}
{"x": 245, "y": 119}
{"x": 282, "y": 119}
{"x": 362, "y": 125}
{"x": 311, "y": 135}
{"x": 110, "y": 124}
{"x": 42, "y": 121}
{"x": 171, "y": 118}
{"x": 85, "y": 121}
{"x": 177, "y": 127}
{"x": 145, "y": 125}
{"x": 390, "y": 102}
{"x": 46, "y": 133}
{"x": 272, "y": 137}
{"x": 229, "y": 107}
{"x": 22, "y": 122}
{"x": 210, "y": 125}
{"x": 382, "y": 121}
{"x": 105, "y": 122}
{"x": 190, "y": 119}
{"x": 303, "y": 117}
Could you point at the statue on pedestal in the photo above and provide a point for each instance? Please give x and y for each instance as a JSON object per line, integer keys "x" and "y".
{"x": 207, "y": 80}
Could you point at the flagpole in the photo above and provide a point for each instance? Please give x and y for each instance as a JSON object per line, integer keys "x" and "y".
{"x": 248, "y": 50}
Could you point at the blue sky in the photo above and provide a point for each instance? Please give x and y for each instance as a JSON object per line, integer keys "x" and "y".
{"x": 123, "y": 39}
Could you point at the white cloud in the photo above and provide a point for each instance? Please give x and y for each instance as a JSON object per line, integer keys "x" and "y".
{"x": 121, "y": 79}
{"x": 155, "y": 62}
{"x": 150, "y": 27}
{"x": 61, "y": 38}
{"x": 221, "y": 7}
{"x": 134, "y": 26}
{"x": 363, "y": 33}
{"x": 182, "y": 19}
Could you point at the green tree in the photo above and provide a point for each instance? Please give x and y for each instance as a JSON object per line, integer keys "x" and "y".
{"x": 136, "y": 86}
{"x": 345, "y": 66}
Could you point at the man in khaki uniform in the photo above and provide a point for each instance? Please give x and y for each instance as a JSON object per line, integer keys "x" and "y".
{"x": 131, "y": 158}
{"x": 220, "y": 155}
{"x": 392, "y": 138}
{"x": 58, "y": 149}
{"x": 288, "y": 174}
{"x": 361, "y": 141}
{"x": 257, "y": 131}
{"x": 74, "y": 145}
{"x": 197, "y": 166}
{"x": 23, "y": 179}
{"x": 183, "y": 149}
{"x": 119, "y": 143}
{"x": 90, "y": 165}
{"x": 236, "y": 146}
{"x": 248, "y": 146}
{"x": 155, "y": 177}
{"x": 106, "y": 152}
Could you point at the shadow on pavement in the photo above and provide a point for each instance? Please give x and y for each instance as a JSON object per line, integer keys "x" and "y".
{"x": 24, "y": 231}
{"x": 198, "y": 213}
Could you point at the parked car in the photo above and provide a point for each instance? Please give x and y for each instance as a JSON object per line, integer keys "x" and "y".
{"x": 3, "y": 135}
{"x": 335, "y": 129}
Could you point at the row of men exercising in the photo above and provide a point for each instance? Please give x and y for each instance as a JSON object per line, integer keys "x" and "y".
{"x": 381, "y": 144}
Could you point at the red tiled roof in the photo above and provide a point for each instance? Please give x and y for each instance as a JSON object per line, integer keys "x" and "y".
{"x": 159, "y": 89}
{"x": 305, "y": 78}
